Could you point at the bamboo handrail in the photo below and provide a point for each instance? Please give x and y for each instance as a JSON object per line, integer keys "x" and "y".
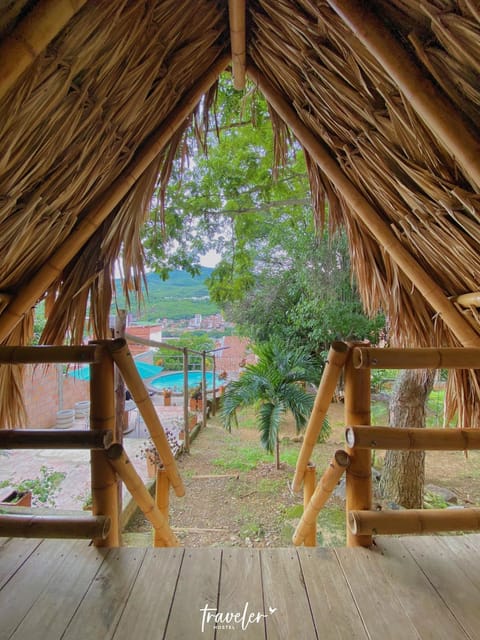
{"x": 414, "y": 439}
{"x": 82, "y": 354}
{"x": 323, "y": 491}
{"x": 414, "y": 521}
{"x": 26, "y": 298}
{"x": 124, "y": 361}
{"x": 360, "y": 207}
{"x": 237, "y": 18}
{"x": 358, "y": 481}
{"x": 105, "y": 487}
{"x": 420, "y": 358}
{"x": 42, "y": 526}
{"x": 134, "y": 483}
{"x": 431, "y": 104}
{"x": 30, "y": 37}
{"x": 54, "y": 439}
{"x": 336, "y": 358}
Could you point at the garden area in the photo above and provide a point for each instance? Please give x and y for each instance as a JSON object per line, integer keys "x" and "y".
{"x": 236, "y": 497}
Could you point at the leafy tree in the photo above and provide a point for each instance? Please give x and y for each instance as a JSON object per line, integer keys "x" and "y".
{"x": 173, "y": 360}
{"x": 275, "y": 386}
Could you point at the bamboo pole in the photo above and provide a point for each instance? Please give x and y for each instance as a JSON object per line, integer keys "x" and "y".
{"x": 41, "y": 354}
{"x": 396, "y": 439}
{"x": 414, "y": 521}
{"x": 134, "y": 483}
{"x": 54, "y": 439}
{"x": 214, "y": 392}
{"x": 238, "y": 42}
{"x": 31, "y": 36}
{"x": 309, "y": 482}
{"x": 432, "y": 105}
{"x": 162, "y": 488}
{"x": 322, "y": 493}
{"x": 204, "y": 390}
{"x": 102, "y": 417}
{"x": 124, "y": 361}
{"x": 41, "y": 526}
{"x": 420, "y": 358}
{"x": 360, "y": 207}
{"x": 336, "y": 358}
{"x": 93, "y": 218}
{"x": 186, "y": 420}
{"x": 358, "y": 485}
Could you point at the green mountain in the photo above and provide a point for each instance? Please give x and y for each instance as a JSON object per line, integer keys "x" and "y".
{"x": 181, "y": 296}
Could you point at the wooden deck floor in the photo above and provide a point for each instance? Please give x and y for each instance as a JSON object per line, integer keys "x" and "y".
{"x": 407, "y": 588}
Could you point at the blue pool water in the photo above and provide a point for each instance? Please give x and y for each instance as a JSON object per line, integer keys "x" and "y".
{"x": 174, "y": 381}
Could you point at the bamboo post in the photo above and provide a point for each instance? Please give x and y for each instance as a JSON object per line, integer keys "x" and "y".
{"x": 323, "y": 491}
{"x": 42, "y": 526}
{"x": 414, "y": 439}
{"x": 123, "y": 359}
{"x": 428, "y": 100}
{"x": 358, "y": 486}
{"x": 104, "y": 480}
{"x": 134, "y": 483}
{"x": 417, "y": 358}
{"x": 360, "y": 207}
{"x": 413, "y": 521}
{"x": 336, "y": 358}
{"x": 162, "y": 488}
{"x": 119, "y": 332}
{"x": 186, "y": 420}
{"x": 204, "y": 390}
{"x": 55, "y": 439}
{"x": 214, "y": 394}
{"x": 309, "y": 481}
{"x": 40, "y": 354}
{"x": 31, "y": 36}
{"x": 237, "y": 18}
{"x": 51, "y": 270}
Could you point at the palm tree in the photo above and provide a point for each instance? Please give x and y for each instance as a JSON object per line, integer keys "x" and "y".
{"x": 273, "y": 383}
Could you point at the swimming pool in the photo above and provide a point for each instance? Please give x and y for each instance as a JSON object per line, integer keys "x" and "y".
{"x": 174, "y": 381}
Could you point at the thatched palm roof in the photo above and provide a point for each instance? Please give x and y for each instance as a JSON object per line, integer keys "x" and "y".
{"x": 94, "y": 101}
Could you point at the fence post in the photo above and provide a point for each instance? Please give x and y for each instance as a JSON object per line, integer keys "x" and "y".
{"x": 359, "y": 471}
{"x": 309, "y": 481}
{"x": 186, "y": 425}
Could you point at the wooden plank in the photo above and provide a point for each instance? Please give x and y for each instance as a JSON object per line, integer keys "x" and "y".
{"x": 149, "y": 603}
{"x": 13, "y": 553}
{"x": 418, "y": 598}
{"x": 286, "y": 602}
{"x": 103, "y": 604}
{"x": 450, "y": 580}
{"x": 375, "y": 595}
{"x": 333, "y": 607}
{"x": 241, "y": 593}
{"x": 24, "y": 588}
{"x": 60, "y": 598}
{"x": 464, "y": 554}
{"x": 197, "y": 588}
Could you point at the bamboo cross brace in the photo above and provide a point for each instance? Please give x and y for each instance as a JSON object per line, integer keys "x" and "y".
{"x": 413, "y": 521}
{"x": 31, "y": 36}
{"x": 134, "y": 483}
{"x": 51, "y": 270}
{"x": 336, "y": 358}
{"x": 124, "y": 361}
{"x": 360, "y": 207}
{"x": 323, "y": 491}
{"x": 431, "y": 104}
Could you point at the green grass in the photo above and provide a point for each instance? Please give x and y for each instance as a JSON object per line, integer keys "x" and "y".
{"x": 242, "y": 458}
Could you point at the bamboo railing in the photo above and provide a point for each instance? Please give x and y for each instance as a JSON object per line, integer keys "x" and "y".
{"x": 361, "y": 438}
{"x": 109, "y": 463}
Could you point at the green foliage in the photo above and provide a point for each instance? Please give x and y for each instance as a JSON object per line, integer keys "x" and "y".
{"x": 434, "y": 501}
{"x": 243, "y": 458}
{"x": 43, "y": 487}
{"x": 173, "y": 361}
{"x": 274, "y": 384}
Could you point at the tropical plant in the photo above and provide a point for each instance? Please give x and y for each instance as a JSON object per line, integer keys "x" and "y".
{"x": 275, "y": 384}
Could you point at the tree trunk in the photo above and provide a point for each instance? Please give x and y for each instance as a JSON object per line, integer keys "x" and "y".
{"x": 277, "y": 454}
{"x": 404, "y": 471}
